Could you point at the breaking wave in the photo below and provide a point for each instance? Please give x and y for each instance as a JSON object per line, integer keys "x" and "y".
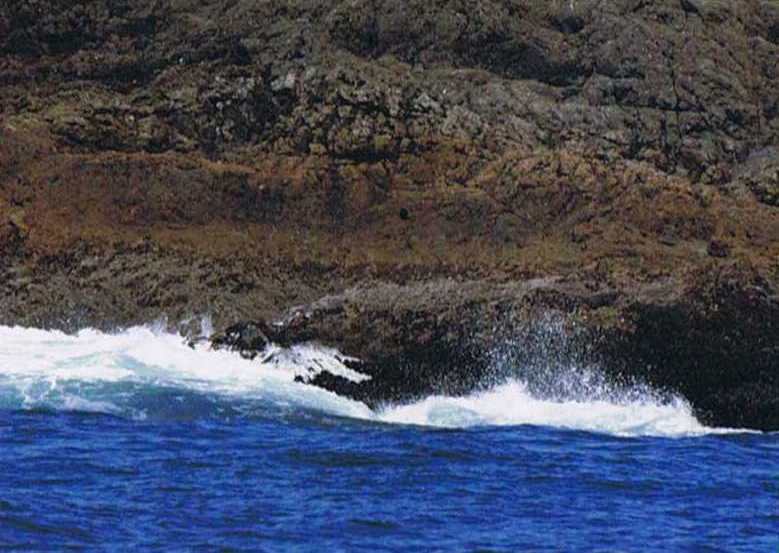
{"x": 145, "y": 372}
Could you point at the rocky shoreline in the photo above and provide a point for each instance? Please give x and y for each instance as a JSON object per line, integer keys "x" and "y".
{"x": 715, "y": 345}
{"x": 423, "y": 186}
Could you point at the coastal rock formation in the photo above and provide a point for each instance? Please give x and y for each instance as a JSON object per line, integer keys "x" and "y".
{"x": 453, "y": 337}
{"x": 423, "y": 169}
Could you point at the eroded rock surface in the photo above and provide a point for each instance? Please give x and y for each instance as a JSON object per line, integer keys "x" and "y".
{"x": 449, "y": 337}
{"x": 241, "y": 158}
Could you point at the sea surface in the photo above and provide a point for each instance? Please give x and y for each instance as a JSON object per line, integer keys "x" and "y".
{"x": 134, "y": 441}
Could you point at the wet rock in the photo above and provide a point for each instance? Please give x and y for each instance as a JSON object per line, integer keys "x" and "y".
{"x": 249, "y": 339}
{"x": 178, "y": 159}
{"x": 714, "y": 345}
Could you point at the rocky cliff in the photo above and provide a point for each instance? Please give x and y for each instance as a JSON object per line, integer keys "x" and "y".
{"x": 408, "y": 176}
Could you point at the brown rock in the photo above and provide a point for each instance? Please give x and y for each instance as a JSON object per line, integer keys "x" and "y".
{"x": 245, "y": 158}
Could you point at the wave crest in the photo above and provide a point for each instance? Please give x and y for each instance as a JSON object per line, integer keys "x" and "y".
{"x": 144, "y": 371}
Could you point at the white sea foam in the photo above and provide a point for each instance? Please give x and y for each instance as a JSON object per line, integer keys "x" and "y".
{"x": 511, "y": 404}
{"x": 47, "y": 368}
{"x": 55, "y": 370}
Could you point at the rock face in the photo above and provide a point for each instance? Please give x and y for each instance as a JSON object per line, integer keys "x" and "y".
{"x": 240, "y": 158}
{"x": 712, "y": 340}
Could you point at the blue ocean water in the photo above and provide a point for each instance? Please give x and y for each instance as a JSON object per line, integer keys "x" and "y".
{"x": 136, "y": 442}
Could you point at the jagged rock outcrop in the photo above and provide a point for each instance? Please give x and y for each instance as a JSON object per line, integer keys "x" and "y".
{"x": 713, "y": 340}
{"x": 174, "y": 158}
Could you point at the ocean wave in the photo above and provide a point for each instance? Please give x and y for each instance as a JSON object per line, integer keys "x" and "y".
{"x": 145, "y": 371}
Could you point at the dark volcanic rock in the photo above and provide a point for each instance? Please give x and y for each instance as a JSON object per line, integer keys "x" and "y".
{"x": 715, "y": 345}
{"x": 248, "y": 339}
{"x": 178, "y": 158}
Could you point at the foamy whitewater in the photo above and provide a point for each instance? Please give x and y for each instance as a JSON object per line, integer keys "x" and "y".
{"x": 136, "y": 442}
{"x": 133, "y": 372}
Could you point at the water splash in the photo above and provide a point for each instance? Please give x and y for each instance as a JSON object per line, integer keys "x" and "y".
{"x": 128, "y": 370}
{"x": 145, "y": 371}
{"x": 511, "y": 404}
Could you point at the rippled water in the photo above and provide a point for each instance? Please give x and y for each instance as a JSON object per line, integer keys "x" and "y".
{"x": 134, "y": 440}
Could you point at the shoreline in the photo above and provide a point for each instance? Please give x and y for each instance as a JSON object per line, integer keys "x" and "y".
{"x": 414, "y": 180}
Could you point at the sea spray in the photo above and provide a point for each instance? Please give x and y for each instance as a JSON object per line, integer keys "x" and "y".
{"x": 145, "y": 371}
{"x": 133, "y": 369}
